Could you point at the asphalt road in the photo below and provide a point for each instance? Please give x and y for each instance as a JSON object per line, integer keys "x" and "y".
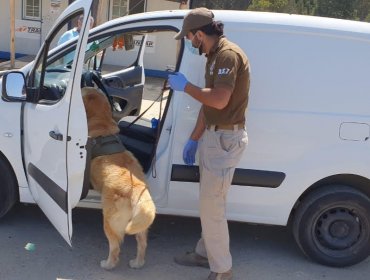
{"x": 259, "y": 252}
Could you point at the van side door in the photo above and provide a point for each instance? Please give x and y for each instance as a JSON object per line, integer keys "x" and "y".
{"x": 55, "y": 125}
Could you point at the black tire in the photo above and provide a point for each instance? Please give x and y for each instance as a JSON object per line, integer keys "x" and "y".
{"x": 8, "y": 187}
{"x": 332, "y": 226}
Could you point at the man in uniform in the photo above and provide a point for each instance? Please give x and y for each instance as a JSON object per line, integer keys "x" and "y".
{"x": 220, "y": 131}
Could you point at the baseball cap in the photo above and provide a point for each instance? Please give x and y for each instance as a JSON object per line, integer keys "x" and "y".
{"x": 196, "y": 18}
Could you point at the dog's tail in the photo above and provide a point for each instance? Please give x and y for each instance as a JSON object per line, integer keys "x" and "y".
{"x": 143, "y": 215}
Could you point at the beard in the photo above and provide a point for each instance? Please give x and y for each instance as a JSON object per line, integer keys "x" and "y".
{"x": 197, "y": 44}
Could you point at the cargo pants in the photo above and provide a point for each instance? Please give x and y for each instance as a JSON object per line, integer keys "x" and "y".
{"x": 219, "y": 153}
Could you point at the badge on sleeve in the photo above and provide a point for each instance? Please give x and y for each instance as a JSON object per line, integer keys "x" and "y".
{"x": 223, "y": 71}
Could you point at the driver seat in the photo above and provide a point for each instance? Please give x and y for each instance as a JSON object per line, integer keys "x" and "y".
{"x": 140, "y": 140}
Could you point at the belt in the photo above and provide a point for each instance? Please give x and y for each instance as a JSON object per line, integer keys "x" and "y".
{"x": 225, "y": 126}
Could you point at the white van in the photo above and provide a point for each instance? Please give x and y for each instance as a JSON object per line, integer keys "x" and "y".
{"x": 308, "y": 122}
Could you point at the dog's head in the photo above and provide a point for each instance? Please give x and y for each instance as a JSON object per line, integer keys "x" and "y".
{"x": 98, "y": 112}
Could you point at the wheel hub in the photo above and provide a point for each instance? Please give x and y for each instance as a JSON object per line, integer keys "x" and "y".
{"x": 338, "y": 229}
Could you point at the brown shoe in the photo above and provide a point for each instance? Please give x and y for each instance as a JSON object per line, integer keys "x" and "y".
{"x": 192, "y": 259}
{"x": 228, "y": 275}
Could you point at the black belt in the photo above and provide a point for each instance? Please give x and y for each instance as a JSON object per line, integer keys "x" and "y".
{"x": 225, "y": 126}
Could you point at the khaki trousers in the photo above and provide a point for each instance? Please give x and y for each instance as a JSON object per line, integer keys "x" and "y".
{"x": 219, "y": 153}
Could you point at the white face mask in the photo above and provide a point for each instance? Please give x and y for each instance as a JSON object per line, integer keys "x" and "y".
{"x": 190, "y": 47}
{"x": 199, "y": 46}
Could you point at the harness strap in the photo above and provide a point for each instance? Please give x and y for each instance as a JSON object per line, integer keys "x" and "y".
{"x": 106, "y": 145}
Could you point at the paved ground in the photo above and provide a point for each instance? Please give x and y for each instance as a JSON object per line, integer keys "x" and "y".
{"x": 260, "y": 252}
{"x": 19, "y": 62}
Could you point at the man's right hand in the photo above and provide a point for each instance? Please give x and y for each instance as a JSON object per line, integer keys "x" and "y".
{"x": 177, "y": 81}
{"x": 189, "y": 152}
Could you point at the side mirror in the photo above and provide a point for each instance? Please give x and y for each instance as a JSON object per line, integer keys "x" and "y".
{"x": 14, "y": 86}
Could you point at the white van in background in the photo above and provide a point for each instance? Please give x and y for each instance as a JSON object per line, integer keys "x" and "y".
{"x": 308, "y": 121}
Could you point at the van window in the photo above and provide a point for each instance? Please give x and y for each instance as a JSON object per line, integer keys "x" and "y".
{"x": 133, "y": 75}
{"x": 51, "y": 78}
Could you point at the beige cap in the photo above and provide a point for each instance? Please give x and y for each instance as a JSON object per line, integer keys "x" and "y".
{"x": 194, "y": 19}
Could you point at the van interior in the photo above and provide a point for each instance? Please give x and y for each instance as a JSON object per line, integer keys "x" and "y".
{"x": 131, "y": 68}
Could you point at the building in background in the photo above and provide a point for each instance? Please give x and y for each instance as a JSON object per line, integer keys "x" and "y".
{"x": 34, "y": 18}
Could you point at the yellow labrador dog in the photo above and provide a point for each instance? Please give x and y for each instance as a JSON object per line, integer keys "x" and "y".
{"x": 127, "y": 205}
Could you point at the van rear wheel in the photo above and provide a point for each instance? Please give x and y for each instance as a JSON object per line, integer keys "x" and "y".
{"x": 332, "y": 226}
{"x": 8, "y": 187}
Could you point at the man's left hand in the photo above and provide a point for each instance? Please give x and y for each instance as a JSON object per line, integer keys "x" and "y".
{"x": 177, "y": 81}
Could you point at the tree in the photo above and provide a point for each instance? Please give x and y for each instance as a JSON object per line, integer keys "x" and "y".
{"x": 221, "y": 4}
{"x": 362, "y": 9}
{"x": 279, "y": 6}
{"x": 306, "y": 7}
{"x": 268, "y": 5}
{"x": 344, "y": 9}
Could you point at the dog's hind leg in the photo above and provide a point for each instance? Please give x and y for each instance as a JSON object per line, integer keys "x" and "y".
{"x": 141, "y": 239}
{"x": 114, "y": 240}
{"x": 116, "y": 218}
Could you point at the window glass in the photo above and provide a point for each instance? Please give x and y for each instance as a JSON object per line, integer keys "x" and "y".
{"x": 121, "y": 51}
{"x": 136, "y": 6}
{"x": 119, "y": 8}
{"x": 50, "y": 79}
{"x": 31, "y": 9}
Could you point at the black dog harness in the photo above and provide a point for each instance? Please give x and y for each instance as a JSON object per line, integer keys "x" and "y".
{"x": 106, "y": 145}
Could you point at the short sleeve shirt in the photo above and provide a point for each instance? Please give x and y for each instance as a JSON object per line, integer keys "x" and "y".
{"x": 68, "y": 35}
{"x": 228, "y": 66}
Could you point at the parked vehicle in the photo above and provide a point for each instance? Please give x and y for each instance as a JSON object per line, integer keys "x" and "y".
{"x": 307, "y": 163}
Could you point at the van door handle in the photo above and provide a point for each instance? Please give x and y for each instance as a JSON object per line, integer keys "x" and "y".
{"x": 56, "y": 136}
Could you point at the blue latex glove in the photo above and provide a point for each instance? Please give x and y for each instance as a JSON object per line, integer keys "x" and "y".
{"x": 189, "y": 151}
{"x": 177, "y": 81}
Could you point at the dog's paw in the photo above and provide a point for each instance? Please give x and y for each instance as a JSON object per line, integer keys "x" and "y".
{"x": 136, "y": 263}
{"x": 107, "y": 265}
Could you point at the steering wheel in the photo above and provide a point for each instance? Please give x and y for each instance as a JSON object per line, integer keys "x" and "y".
{"x": 91, "y": 77}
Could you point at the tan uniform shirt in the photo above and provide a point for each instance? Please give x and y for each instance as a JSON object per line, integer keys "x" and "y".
{"x": 227, "y": 65}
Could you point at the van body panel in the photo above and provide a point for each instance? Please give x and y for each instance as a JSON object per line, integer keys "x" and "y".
{"x": 55, "y": 133}
{"x": 307, "y": 117}
{"x": 10, "y": 138}
{"x": 316, "y": 50}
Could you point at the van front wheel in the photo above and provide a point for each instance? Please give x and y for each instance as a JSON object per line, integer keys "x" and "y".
{"x": 332, "y": 226}
{"x": 8, "y": 187}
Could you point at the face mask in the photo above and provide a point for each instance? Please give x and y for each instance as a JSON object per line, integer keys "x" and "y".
{"x": 198, "y": 46}
{"x": 190, "y": 47}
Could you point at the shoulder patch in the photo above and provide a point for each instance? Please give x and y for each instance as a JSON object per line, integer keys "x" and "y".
{"x": 223, "y": 71}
